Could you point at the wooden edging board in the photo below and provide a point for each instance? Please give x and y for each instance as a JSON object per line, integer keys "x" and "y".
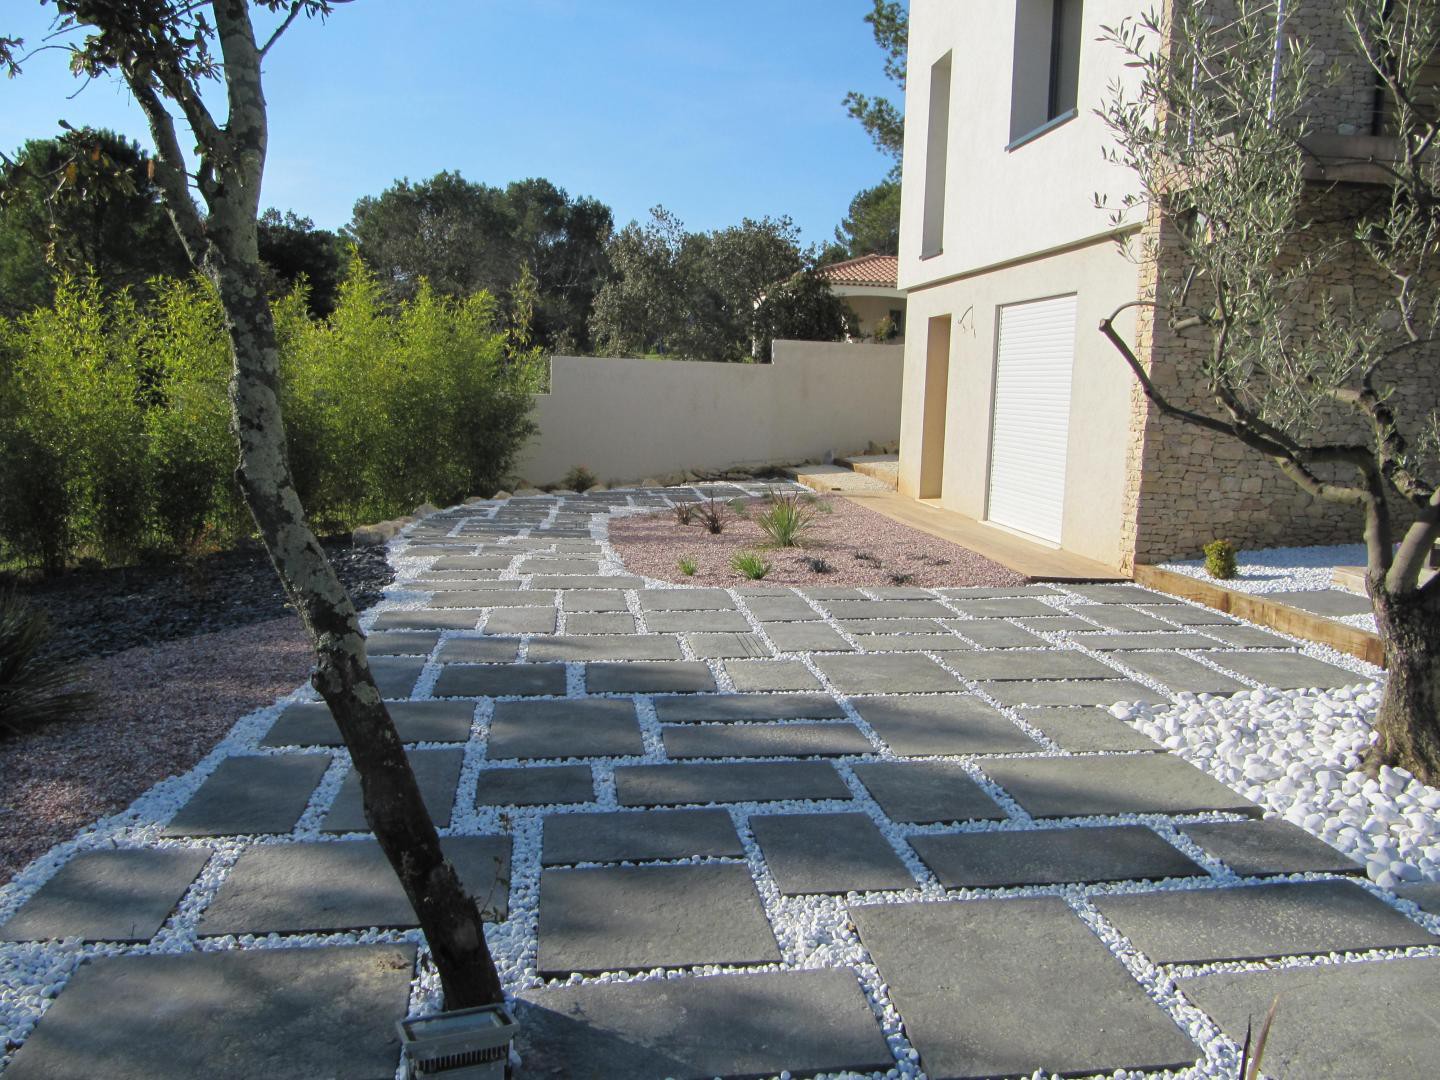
{"x": 1257, "y": 609}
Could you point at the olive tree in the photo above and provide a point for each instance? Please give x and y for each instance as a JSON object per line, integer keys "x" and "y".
{"x": 1297, "y": 292}
{"x": 185, "y": 57}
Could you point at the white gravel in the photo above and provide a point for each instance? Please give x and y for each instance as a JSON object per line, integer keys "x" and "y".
{"x": 1292, "y": 569}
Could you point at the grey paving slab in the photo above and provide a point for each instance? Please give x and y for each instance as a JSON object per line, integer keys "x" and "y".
{"x": 771, "y": 675}
{"x": 926, "y": 792}
{"x": 468, "y": 562}
{"x": 888, "y": 673}
{"x": 823, "y": 593}
{"x": 1178, "y": 639}
{"x": 1126, "y": 619}
{"x": 1031, "y": 664}
{"x": 478, "y": 651}
{"x": 899, "y": 643}
{"x": 638, "y": 836}
{"x": 1079, "y": 692}
{"x": 327, "y": 888}
{"x": 597, "y": 727}
{"x": 1059, "y": 624}
{"x": 251, "y": 795}
{"x": 991, "y": 592}
{"x": 765, "y": 740}
{"x": 425, "y": 551}
{"x": 436, "y": 771}
{"x": 605, "y": 647}
{"x": 1250, "y": 637}
{"x": 1182, "y": 674}
{"x": 1004, "y": 608}
{"x": 500, "y": 680}
{"x": 943, "y": 725}
{"x": 828, "y": 853}
{"x": 782, "y": 608}
{"x": 1319, "y": 1032}
{"x": 898, "y": 592}
{"x": 1082, "y": 729}
{"x": 535, "y": 786}
{"x": 1288, "y": 671}
{"x": 990, "y": 634}
{"x": 108, "y": 896}
{"x": 427, "y": 620}
{"x": 1424, "y": 894}
{"x": 1013, "y": 1012}
{"x": 638, "y": 917}
{"x": 1197, "y": 927}
{"x": 395, "y": 676}
{"x": 806, "y": 637}
{"x": 685, "y": 600}
{"x": 993, "y": 860}
{"x": 684, "y": 622}
{"x": 725, "y": 708}
{"x": 1255, "y": 848}
{"x": 603, "y": 622}
{"x": 565, "y": 567}
{"x": 402, "y": 643}
{"x": 1120, "y": 594}
{"x": 495, "y": 598}
{"x": 1132, "y": 784}
{"x": 521, "y": 620}
{"x": 722, "y": 646}
{"x": 593, "y": 600}
{"x": 1189, "y": 614}
{"x": 1332, "y": 603}
{"x": 310, "y": 723}
{"x": 325, "y": 1012}
{"x": 463, "y": 581}
{"x": 887, "y": 609}
{"x": 761, "y": 1024}
{"x": 758, "y": 781}
{"x": 865, "y": 627}
{"x": 660, "y": 677}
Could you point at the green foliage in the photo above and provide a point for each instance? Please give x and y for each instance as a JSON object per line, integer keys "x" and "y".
{"x": 872, "y": 226}
{"x": 294, "y": 252}
{"x": 687, "y": 565}
{"x": 786, "y": 521}
{"x": 579, "y": 478}
{"x": 32, "y": 691}
{"x": 1220, "y": 559}
{"x": 881, "y": 118}
{"x": 750, "y": 564}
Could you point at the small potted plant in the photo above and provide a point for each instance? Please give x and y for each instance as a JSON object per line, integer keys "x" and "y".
{"x": 466, "y": 1044}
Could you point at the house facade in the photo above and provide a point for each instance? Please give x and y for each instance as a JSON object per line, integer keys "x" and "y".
{"x": 869, "y": 287}
{"x": 1016, "y": 411}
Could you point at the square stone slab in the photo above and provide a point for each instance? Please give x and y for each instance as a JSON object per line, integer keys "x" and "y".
{"x": 436, "y": 771}
{"x": 595, "y": 727}
{"x": 995, "y": 860}
{"x": 1015, "y": 1009}
{"x": 479, "y": 651}
{"x": 1289, "y": 671}
{"x": 328, "y": 888}
{"x": 500, "y": 680}
{"x": 679, "y": 622}
{"x": 889, "y": 673}
{"x": 1081, "y": 692}
{"x": 324, "y": 1011}
{"x": 727, "y": 708}
{"x": 309, "y": 723}
{"x": 121, "y": 895}
{"x": 605, "y": 647}
{"x": 638, "y": 917}
{"x": 760, "y": 781}
{"x": 427, "y": 620}
{"x": 1258, "y": 922}
{"x": 989, "y": 634}
{"x": 1119, "y": 594}
{"x": 806, "y": 637}
{"x": 1125, "y": 619}
{"x": 685, "y": 600}
{"x": 1031, "y": 664}
{"x": 529, "y": 620}
{"x": 1257, "y": 848}
{"x": 771, "y": 675}
{"x": 727, "y": 646}
{"x": 402, "y": 642}
{"x": 1177, "y": 639}
{"x": 1189, "y": 615}
{"x": 828, "y": 853}
{"x": 1332, "y": 603}
{"x": 765, "y": 740}
{"x": 603, "y": 622}
{"x": 1080, "y": 729}
{"x": 926, "y": 792}
{"x": 1334, "y": 1022}
{"x": 781, "y": 608}
{"x": 1182, "y": 674}
{"x": 944, "y": 725}
{"x": 893, "y": 643}
{"x": 251, "y": 795}
{"x": 759, "y": 1024}
{"x": 1250, "y": 637}
{"x": 638, "y": 836}
{"x": 535, "y": 786}
{"x": 1133, "y": 784}
{"x": 662, "y": 677}
{"x": 395, "y": 676}
{"x": 888, "y": 609}
{"x": 593, "y": 600}
{"x": 1004, "y": 608}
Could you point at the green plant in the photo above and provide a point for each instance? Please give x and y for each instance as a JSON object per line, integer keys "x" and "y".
{"x": 1253, "y": 1052}
{"x": 786, "y": 521}
{"x": 713, "y": 516}
{"x": 741, "y": 506}
{"x": 684, "y": 512}
{"x": 819, "y": 565}
{"x": 579, "y": 478}
{"x": 32, "y": 690}
{"x": 1220, "y": 559}
{"x": 687, "y": 565}
{"x": 751, "y": 564}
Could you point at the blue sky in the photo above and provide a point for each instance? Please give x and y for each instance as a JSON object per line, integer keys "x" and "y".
{"x": 716, "y": 110}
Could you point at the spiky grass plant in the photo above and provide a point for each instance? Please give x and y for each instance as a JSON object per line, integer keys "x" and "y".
{"x": 687, "y": 565}
{"x": 787, "y": 520}
{"x": 33, "y": 691}
{"x": 750, "y": 564}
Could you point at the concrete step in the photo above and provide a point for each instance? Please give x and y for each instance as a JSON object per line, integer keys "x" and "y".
{"x": 882, "y": 467}
{"x": 835, "y": 478}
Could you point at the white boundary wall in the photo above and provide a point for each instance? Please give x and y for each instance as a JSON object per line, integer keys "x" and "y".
{"x": 626, "y": 419}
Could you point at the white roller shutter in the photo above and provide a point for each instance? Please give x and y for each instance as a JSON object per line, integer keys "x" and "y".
{"x": 1035, "y": 355}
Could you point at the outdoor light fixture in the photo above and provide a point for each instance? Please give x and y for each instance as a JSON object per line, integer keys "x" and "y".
{"x": 467, "y": 1044}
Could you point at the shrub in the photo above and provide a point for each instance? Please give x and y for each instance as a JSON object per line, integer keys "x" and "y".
{"x": 751, "y": 564}
{"x": 32, "y": 691}
{"x": 713, "y": 516}
{"x": 819, "y": 565}
{"x": 687, "y": 565}
{"x": 1220, "y": 559}
{"x": 901, "y": 578}
{"x": 786, "y": 520}
{"x": 579, "y": 478}
{"x": 684, "y": 512}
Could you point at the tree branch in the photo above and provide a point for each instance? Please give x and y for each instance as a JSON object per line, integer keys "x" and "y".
{"x": 295, "y": 8}
{"x": 170, "y": 168}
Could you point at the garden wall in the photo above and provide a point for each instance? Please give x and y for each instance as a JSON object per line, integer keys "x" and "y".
{"x": 628, "y": 419}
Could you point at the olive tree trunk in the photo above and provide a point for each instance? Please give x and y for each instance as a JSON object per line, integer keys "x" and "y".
{"x": 1408, "y": 723}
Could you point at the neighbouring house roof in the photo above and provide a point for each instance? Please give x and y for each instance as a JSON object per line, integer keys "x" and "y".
{"x": 868, "y": 271}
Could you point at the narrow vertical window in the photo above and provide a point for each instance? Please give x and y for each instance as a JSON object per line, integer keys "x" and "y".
{"x": 1064, "y": 57}
{"x": 937, "y": 150}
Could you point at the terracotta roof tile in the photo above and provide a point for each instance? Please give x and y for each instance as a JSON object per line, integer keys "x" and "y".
{"x": 881, "y": 271}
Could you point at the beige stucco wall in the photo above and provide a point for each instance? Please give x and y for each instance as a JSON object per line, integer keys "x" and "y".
{"x": 626, "y": 419}
{"x": 1102, "y": 280}
{"x": 870, "y": 310}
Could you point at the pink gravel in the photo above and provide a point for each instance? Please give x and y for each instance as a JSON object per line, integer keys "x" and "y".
{"x": 161, "y": 709}
{"x": 653, "y": 543}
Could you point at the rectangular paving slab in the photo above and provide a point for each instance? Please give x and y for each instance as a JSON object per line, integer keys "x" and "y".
{"x": 1176, "y": 639}
{"x": 326, "y": 888}
{"x": 1132, "y": 784}
{"x": 727, "y": 646}
{"x": 980, "y": 592}
{"x": 1119, "y": 594}
{"x": 535, "y": 786}
{"x": 1288, "y": 671}
{"x": 576, "y": 581}
{"x": 596, "y": 727}
{"x": 828, "y": 853}
{"x": 605, "y": 647}
{"x": 516, "y": 620}
{"x": 1129, "y": 620}
{"x": 765, "y": 740}
{"x": 926, "y": 792}
{"x": 469, "y": 562}
{"x": 1335, "y": 1022}
{"x": 780, "y": 608}
{"x": 600, "y": 622}
{"x": 1078, "y": 692}
{"x": 893, "y": 643}
{"x": 309, "y": 723}
{"x": 684, "y": 622}
{"x": 1038, "y": 991}
{"x": 395, "y": 676}
{"x": 759, "y": 1024}
{"x": 428, "y": 619}
{"x": 990, "y": 634}
{"x": 661, "y": 677}
{"x": 865, "y": 627}
{"x": 639, "y": 917}
{"x": 1259, "y": 921}
{"x": 888, "y": 609}
{"x": 945, "y": 724}
{"x": 760, "y": 781}
{"x": 251, "y": 795}
{"x": 500, "y": 680}
{"x": 1018, "y": 857}
{"x": 638, "y": 836}
{"x": 1250, "y": 637}
{"x": 123, "y": 895}
{"x": 1031, "y": 664}
{"x": 890, "y": 673}
{"x": 1256, "y": 848}
{"x": 1332, "y": 603}
{"x": 1003, "y": 608}
{"x": 324, "y": 1011}
{"x": 1190, "y": 614}
{"x": 727, "y": 708}
{"x": 1082, "y": 729}
{"x": 402, "y": 642}
{"x": 479, "y": 651}
{"x": 593, "y": 600}
{"x": 1182, "y": 674}
{"x": 806, "y": 637}
{"x": 763, "y": 675}
{"x": 685, "y": 600}
{"x": 436, "y": 771}
{"x": 542, "y": 565}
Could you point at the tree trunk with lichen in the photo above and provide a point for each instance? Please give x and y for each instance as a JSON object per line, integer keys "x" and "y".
{"x": 1407, "y": 725}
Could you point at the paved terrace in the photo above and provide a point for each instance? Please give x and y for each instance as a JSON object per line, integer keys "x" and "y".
{"x": 734, "y": 832}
